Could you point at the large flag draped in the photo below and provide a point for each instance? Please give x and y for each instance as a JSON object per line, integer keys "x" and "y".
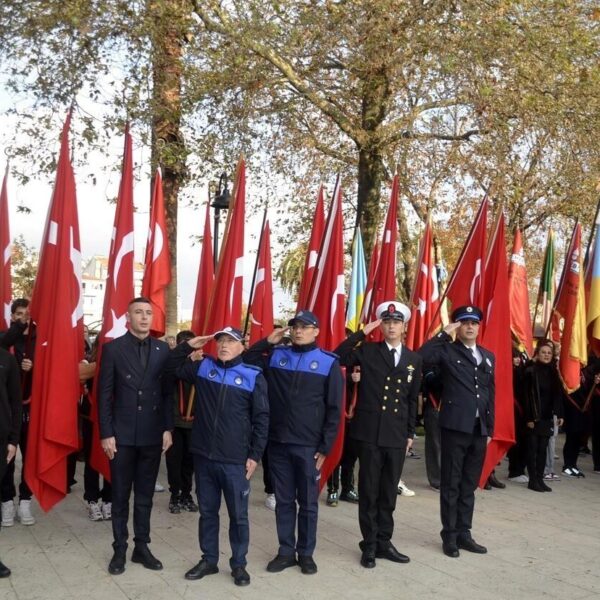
{"x": 425, "y": 299}
{"x": 312, "y": 253}
{"x": 497, "y": 339}
{"x": 547, "y": 290}
{"x": 358, "y": 283}
{"x": 327, "y": 300}
{"x": 593, "y": 313}
{"x": 225, "y": 306}
{"x": 5, "y": 250}
{"x": 119, "y": 289}
{"x": 518, "y": 295}
{"x": 157, "y": 264}
{"x": 261, "y": 307}
{"x": 570, "y": 305}
{"x": 206, "y": 278}
{"x": 56, "y": 308}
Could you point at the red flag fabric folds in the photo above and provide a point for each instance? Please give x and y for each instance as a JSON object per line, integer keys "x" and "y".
{"x": 206, "y": 278}
{"x": 119, "y": 289}
{"x": 5, "y": 250}
{"x": 157, "y": 264}
{"x": 56, "y": 308}
{"x": 261, "y": 307}
{"x": 518, "y": 295}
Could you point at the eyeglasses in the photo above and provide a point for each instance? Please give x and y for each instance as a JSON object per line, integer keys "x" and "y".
{"x": 302, "y": 327}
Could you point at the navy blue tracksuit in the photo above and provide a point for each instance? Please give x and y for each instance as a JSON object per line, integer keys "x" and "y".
{"x": 231, "y": 421}
{"x": 305, "y": 395}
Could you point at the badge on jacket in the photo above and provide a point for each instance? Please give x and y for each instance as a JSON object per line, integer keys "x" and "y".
{"x": 410, "y": 370}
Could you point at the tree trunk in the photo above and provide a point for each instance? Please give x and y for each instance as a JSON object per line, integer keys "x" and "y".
{"x": 370, "y": 177}
{"x": 168, "y": 146}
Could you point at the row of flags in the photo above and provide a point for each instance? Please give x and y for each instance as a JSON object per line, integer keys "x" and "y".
{"x": 482, "y": 276}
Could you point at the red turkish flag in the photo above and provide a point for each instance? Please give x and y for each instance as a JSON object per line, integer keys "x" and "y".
{"x": 5, "y": 250}
{"x": 157, "y": 264}
{"x": 261, "y": 308}
{"x": 497, "y": 339}
{"x": 119, "y": 290}
{"x": 56, "y": 308}
{"x": 206, "y": 278}
{"x": 225, "y": 307}
{"x": 384, "y": 284}
{"x": 467, "y": 281}
{"x": 425, "y": 300}
{"x": 518, "y": 295}
{"x": 316, "y": 235}
{"x": 328, "y": 303}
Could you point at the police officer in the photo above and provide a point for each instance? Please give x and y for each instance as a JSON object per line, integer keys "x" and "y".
{"x": 383, "y": 425}
{"x": 305, "y": 396}
{"x": 135, "y": 418}
{"x": 229, "y": 436}
{"x": 466, "y": 421}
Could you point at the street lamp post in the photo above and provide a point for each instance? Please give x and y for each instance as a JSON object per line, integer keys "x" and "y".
{"x": 219, "y": 203}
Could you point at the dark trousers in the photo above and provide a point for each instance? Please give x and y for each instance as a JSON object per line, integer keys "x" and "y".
{"x": 91, "y": 477}
{"x": 519, "y": 453}
{"x": 213, "y": 479}
{"x": 267, "y": 472}
{"x": 295, "y": 478}
{"x": 571, "y": 449}
{"x": 3, "y": 451}
{"x": 180, "y": 463}
{"x": 135, "y": 466}
{"x": 378, "y": 475}
{"x": 7, "y": 485}
{"x": 433, "y": 448}
{"x": 596, "y": 433}
{"x": 462, "y": 461}
{"x": 537, "y": 447}
{"x": 344, "y": 472}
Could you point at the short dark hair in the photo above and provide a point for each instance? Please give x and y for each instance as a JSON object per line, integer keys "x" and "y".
{"x": 544, "y": 342}
{"x": 185, "y": 335}
{"x": 141, "y": 299}
{"x": 19, "y": 303}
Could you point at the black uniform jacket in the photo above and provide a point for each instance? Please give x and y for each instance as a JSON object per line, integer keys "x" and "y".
{"x": 466, "y": 386}
{"x": 134, "y": 405}
{"x": 10, "y": 399}
{"x": 386, "y": 409}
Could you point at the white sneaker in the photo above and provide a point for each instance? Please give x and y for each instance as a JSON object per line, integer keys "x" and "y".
{"x": 270, "y": 501}
{"x": 519, "y": 479}
{"x": 8, "y": 513}
{"x": 107, "y": 511}
{"x": 24, "y": 513}
{"x": 94, "y": 512}
{"x": 159, "y": 488}
{"x": 403, "y": 490}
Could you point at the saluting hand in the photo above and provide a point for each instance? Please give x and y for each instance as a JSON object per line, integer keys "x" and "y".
{"x": 250, "y": 468}
{"x": 277, "y": 335}
{"x": 199, "y": 341}
{"x": 369, "y": 327}
{"x": 167, "y": 441}
{"x": 452, "y": 327}
{"x": 196, "y": 355}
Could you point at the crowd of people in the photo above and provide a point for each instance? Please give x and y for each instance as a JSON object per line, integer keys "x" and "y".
{"x": 217, "y": 408}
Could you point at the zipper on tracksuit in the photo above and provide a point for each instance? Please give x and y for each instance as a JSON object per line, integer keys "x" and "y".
{"x": 220, "y": 400}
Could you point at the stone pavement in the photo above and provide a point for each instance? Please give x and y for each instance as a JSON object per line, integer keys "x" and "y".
{"x": 540, "y": 546}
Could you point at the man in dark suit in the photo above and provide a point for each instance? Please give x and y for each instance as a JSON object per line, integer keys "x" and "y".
{"x": 136, "y": 418}
{"x": 10, "y": 416}
{"x": 466, "y": 421}
{"x": 383, "y": 425}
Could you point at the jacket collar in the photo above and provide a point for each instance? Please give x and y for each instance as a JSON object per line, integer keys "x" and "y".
{"x": 304, "y": 347}
{"x": 227, "y": 364}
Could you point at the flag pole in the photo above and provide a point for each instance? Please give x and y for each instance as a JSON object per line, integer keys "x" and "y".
{"x": 260, "y": 241}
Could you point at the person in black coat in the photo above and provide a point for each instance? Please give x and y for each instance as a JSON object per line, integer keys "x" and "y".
{"x": 542, "y": 398}
{"x": 383, "y": 425}
{"x": 466, "y": 420}
{"x": 135, "y": 418}
{"x": 10, "y": 416}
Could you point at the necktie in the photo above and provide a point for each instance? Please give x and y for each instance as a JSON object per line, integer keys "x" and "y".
{"x": 394, "y": 355}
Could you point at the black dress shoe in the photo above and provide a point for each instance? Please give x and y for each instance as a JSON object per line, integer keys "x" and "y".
{"x": 545, "y": 488}
{"x": 470, "y": 545}
{"x": 201, "y": 569}
{"x": 451, "y": 550}
{"x": 280, "y": 562}
{"x": 4, "y": 571}
{"x": 307, "y": 565}
{"x": 117, "y": 563}
{"x": 534, "y": 486}
{"x": 240, "y": 576}
{"x": 143, "y": 556}
{"x": 487, "y": 486}
{"x": 349, "y": 496}
{"x": 493, "y": 481}
{"x": 367, "y": 559}
{"x": 390, "y": 553}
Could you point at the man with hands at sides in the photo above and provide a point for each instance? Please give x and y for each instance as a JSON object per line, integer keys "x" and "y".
{"x": 467, "y": 373}
{"x": 305, "y": 400}
{"x": 229, "y": 435}
{"x": 383, "y": 425}
{"x": 135, "y": 419}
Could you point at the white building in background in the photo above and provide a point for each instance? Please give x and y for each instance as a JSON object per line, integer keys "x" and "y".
{"x": 93, "y": 281}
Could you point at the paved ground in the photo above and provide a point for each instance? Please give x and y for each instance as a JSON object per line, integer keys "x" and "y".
{"x": 540, "y": 546}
